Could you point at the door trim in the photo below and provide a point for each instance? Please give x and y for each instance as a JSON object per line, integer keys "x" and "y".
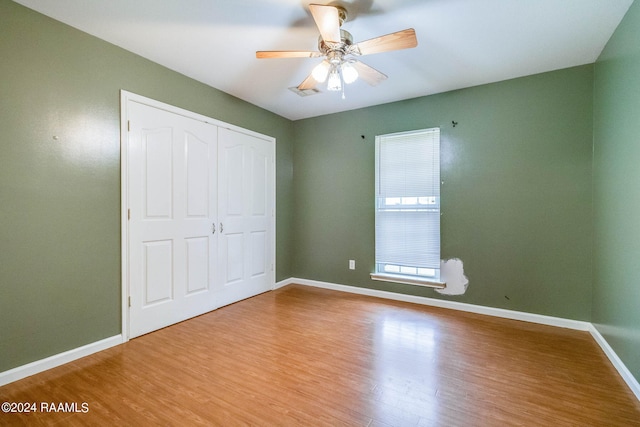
{"x": 125, "y": 98}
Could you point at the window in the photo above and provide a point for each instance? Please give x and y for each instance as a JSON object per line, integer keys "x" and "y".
{"x": 408, "y": 207}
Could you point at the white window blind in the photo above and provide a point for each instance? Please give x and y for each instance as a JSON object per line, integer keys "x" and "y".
{"x": 408, "y": 204}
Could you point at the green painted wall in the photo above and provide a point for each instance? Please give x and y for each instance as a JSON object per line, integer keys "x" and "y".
{"x": 516, "y": 198}
{"x": 616, "y": 296}
{"x": 60, "y": 200}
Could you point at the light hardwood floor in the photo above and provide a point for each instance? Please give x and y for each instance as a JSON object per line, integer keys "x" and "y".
{"x": 311, "y": 357}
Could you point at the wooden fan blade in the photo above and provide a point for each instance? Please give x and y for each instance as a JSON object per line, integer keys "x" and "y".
{"x": 308, "y": 83}
{"x": 395, "y": 41}
{"x": 287, "y": 54}
{"x": 368, "y": 74}
{"x": 328, "y": 22}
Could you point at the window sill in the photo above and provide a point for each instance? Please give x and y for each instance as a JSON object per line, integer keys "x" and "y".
{"x": 407, "y": 280}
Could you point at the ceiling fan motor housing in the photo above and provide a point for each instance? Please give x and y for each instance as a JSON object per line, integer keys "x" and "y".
{"x": 342, "y": 48}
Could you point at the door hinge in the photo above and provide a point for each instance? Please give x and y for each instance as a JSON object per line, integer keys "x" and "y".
{"x": 128, "y": 213}
{"x": 128, "y": 125}
{"x": 129, "y": 301}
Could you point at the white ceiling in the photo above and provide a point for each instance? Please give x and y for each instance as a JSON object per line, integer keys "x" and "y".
{"x": 461, "y": 43}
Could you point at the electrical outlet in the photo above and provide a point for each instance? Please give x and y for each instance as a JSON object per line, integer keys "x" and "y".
{"x": 352, "y": 264}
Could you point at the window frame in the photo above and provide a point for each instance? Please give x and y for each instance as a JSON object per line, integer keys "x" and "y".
{"x": 407, "y": 203}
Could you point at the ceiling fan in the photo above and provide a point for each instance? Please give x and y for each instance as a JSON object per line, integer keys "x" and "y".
{"x": 336, "y": 45}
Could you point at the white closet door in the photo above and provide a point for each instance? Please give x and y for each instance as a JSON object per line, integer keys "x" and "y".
{"x": 246, "y": 203}
{"x": 172, "y": 185}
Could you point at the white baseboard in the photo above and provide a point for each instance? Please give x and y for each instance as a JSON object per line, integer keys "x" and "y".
{"x": 622, "y": 369}
{"x": 471, "y": 308}
{"x": 38, "y": 366}
{"x": 627, "y": 376}
{"x": 284, "y": 282}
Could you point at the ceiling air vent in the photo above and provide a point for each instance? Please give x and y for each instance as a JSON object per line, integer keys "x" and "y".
{"x": 304, "y": 92}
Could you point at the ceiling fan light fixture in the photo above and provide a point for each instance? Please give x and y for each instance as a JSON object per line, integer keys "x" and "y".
{"x": 349, "y": 73}
{"x": 320, "y": 72}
